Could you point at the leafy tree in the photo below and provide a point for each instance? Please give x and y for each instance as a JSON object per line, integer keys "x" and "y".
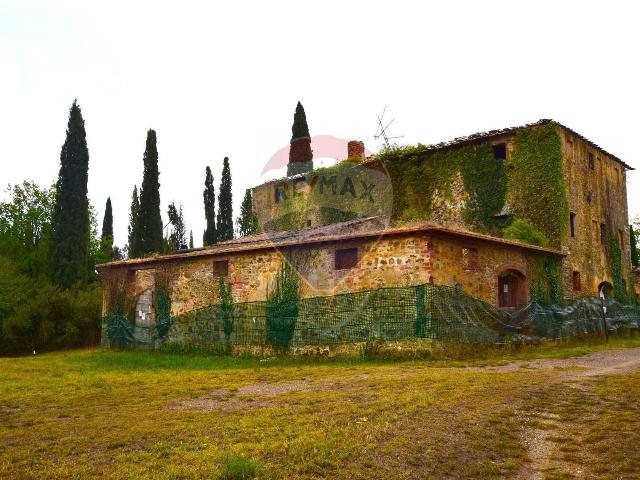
{"x": 177, "y": 239}
{"x": 70, "y": 225}
{"x": 523, "y": 231}
{"x": 209, "y": 195}
{"x": 247, "y": 221}
{"x": 150, "y": 220}
{"x": 134, "y": 246}
{"x": 190, "y": 238}
{"x": 224, "y": 227}
{"x": 300, "y": 153}
{"x": 106, "y": 239}
{"x": 634, "y": 247}
{"x": 25, "y": 226}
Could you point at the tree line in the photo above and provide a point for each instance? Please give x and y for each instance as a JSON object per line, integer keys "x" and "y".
{"x": 49, "y": 244}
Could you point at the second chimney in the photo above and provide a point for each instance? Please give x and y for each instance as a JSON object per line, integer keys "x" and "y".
{"x": 355, "y": 149}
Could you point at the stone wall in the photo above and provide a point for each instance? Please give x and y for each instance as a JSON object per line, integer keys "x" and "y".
{"x": 389, "y": 261}
{"x": 596, "y": 196}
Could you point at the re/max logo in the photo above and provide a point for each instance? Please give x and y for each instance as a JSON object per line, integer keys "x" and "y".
{"x": 328, "y": 185}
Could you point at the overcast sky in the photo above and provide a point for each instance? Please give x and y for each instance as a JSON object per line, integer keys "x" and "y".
{"x": 222, "y": 79}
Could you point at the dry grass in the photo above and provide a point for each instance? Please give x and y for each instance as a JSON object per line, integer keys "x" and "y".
{"x": 140, "y": 415}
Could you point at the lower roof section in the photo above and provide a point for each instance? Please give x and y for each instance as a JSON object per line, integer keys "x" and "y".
{"x": 367, "y": 229}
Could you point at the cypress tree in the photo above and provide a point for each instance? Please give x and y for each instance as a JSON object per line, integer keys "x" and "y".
{"x": 106, "y": 239}
{"x": 134, "y": 225}
{"x": 150, "y": 220}
{"x": 70, "y": 232}
{"x": 300, "y": 153}
{"x": 634, "y": 247}
{"x": 209, "y": 195}
{"x": 177, "y": 239}
{"x": 247, "y": 221}
{"x": 190, "y": 238}
{"x": 224, "y": 226}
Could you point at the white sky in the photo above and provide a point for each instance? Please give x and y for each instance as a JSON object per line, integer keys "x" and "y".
{"x": 223, "y": 79}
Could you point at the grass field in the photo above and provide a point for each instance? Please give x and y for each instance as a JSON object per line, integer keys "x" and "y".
{"x": 90, "y": 413}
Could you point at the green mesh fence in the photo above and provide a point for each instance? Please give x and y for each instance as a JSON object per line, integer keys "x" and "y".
{"x": 436, "y": 312}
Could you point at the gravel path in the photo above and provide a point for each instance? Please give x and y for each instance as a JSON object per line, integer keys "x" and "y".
{"x": 606, "y": 362}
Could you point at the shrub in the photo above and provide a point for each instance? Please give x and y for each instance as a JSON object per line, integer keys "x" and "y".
{"x": 239, "y": 468}
{"x": 523, "y": 231}
{"x": 282, "y": 307}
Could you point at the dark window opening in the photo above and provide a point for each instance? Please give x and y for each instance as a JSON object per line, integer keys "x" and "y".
{"x": 346, "y": 258}
{"x": 221, "y": 268}
{"x": 592, "y": 161}
{"x": 572, "y": 224}
{"x": 576, "y": 281}
{"x": 280, "y": 195}
{"x": 308, "y": 223}
{"x": 469, "y": 258}
{"x": 603, "y": 233}
{"x": 500, "y": 151}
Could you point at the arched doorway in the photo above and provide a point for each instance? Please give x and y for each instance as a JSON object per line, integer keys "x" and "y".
{"x": 607, "y": 288}
{"x": 512, "y": 289}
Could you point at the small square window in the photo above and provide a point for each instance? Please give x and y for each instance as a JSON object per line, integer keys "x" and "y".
{"x": 221, "y": 268}
{"x": 346, "y": 258}
{"x": 592, "y": 161}
{"x": 470, "y": 258}
{"x": 572, "y": 224}
{"x": 500, "y": 151}
{"x": 280, "y": 194}
{"x": 576, "y": 281}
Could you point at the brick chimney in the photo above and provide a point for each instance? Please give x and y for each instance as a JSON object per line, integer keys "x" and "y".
{"x": 355, "y": 149}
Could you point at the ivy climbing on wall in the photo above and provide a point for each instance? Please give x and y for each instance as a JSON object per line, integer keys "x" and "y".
{"x": 615, "y": 264}
{"x": 419, "y": 178}
{"x": 545, "y": 280}
{"x": 536, "y": 181}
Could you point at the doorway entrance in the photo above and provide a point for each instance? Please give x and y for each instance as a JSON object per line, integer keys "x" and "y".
{"x": 511, "y": 289}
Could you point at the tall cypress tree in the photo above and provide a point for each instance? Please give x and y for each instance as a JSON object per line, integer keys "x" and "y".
{"x": 635, "y": 261}
{"x": 134, "y": 225}
{"x": 190, "y": 238}
{"x": 150, "y": 220}
{"x": 210, "y": 235}
{"x": 247, "y": 221}
{"x": 224, "y": 227}
{"x": 70, "y": 221}
{"x": 300, "y": 153}
{"x": 106, "y": 239}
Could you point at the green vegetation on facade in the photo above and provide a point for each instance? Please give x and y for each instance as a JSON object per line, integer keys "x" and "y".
{"x": 537, "y": 190}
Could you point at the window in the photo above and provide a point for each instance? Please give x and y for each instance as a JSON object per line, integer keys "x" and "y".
{"x": 280, "y": 195}
{"x": 221, "y": 268}
{"x": 500, "y": 151}
{"x": 572, "y": 224}
{"x": 298, "y": 186}
{"x": 346, "y": 258}
{"x": 592, "y": 161}
{"x": 576, "y": 281}
{"x": 469, "y": 258}
{"x": 603, "y": 233}
{"x": 308, "y": 222}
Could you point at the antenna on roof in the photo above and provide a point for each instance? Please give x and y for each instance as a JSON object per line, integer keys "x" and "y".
{"x": 381, "y": 131}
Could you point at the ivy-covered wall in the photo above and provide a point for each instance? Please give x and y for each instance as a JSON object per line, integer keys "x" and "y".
{"x": 537, "y": 190}
{"x": 461, "y": 185}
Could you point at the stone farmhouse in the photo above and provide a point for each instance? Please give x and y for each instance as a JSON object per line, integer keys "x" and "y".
{"x": 442, "y": 214}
